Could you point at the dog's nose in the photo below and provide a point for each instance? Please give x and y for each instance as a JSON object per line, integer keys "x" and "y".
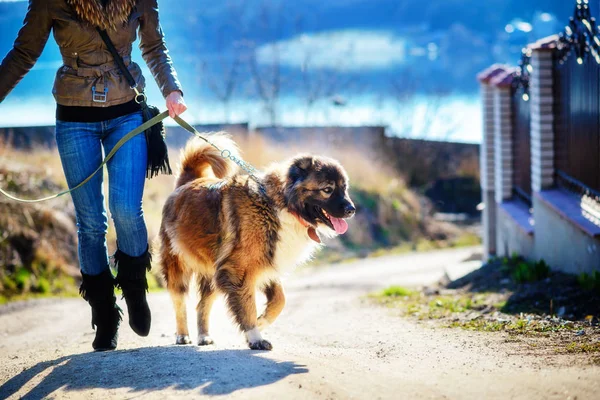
{"x": 349, "y": 211}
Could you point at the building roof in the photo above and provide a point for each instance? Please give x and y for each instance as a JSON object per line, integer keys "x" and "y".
{"x": 547, "y": 43}
{"x": 489, "y": 73}
{"x": 504, "y": 79}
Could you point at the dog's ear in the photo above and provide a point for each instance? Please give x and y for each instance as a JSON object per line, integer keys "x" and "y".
{"x": 300, "y": 166}
{"x": 303, "y": 162}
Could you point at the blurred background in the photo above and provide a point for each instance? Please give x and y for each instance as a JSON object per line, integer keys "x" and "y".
{"x": 386, "y": 86}
{"x": 405, "y": 64}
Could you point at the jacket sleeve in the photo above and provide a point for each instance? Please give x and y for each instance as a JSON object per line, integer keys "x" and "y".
{"x": 27, "y": 47}
{"x": 154, "y": 50}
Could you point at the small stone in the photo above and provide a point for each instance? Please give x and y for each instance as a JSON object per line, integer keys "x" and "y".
{"x": 427, "y": 291}
{"x": 580, "y": 332}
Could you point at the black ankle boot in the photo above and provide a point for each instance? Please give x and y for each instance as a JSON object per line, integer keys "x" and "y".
{"x": 131, "y": 278}
{"x": 99, "y": 291}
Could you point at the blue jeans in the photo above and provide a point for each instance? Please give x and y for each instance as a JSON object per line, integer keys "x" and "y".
{"x": 80, "y": 147}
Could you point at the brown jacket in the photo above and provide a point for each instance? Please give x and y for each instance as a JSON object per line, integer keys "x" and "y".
{"x": 87, "y": 63}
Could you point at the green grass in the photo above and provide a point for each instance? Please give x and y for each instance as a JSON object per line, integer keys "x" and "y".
{"x": 517, "y": 327}
{"x": 500, "y": 305}
{"x": 590, "y": 281}
{"x": 397, "y": 291}
{"x": 478, "y": 325}
{"x": 396, "y": 250}
{"x": 452, "y": 304}
{"x": 583, "y": 347}
{"x": 41, "y": 281}
{"x": 411, "y": 302}
{"x": 30, "y": 296}
{"x": 467, "y": 240}
{"x": 523, "y": 271}
{"x": 530, "y": 272}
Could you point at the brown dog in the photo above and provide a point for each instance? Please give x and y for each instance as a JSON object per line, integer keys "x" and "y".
{"x": 237, "y": 235}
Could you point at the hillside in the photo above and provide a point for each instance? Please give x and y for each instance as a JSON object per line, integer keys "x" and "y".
{"x": 38, "y": 247}
{"x": 38, "y": 242}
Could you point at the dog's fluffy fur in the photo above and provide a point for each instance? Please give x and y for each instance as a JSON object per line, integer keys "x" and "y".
{"x": 237, "y": 235}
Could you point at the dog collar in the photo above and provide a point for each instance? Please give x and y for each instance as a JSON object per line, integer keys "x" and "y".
{"x": 310, "y": 230}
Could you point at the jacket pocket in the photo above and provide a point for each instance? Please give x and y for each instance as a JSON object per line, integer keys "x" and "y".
{"x": 69, "y": 86}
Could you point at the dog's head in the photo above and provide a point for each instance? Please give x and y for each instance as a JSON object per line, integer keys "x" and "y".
{"x": 317, "y": 191}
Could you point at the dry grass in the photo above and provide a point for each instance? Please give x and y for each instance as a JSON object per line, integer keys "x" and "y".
{"x": 389, "y": 213}
{"x": 366, "y": 169}
{"x": 376, "y": 186}
{"x": 377, "y": 182}
{"x": 41, "y": 161}
{"x": 45, "y": 163}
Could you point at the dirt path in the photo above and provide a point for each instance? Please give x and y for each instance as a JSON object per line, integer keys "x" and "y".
{"x": 328, "y": 344}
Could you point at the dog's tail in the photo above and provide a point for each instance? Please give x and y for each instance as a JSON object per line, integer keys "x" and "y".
{"x": 200, "y": 159}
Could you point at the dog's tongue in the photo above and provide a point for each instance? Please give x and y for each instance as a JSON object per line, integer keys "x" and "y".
{"x": 339, "y": 225}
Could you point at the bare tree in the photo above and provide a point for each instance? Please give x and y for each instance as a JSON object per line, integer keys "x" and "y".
{"x": 318, "y": 83}
{"x": 420, "y": 108}
{"x": 266, "y": 72}
{"x": 267, "y": 82}
{"x": 224, "y": 88}
{"x": 225, "y": 81}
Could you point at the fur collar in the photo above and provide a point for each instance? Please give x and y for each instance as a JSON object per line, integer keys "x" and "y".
{"x": 92, "y": 12}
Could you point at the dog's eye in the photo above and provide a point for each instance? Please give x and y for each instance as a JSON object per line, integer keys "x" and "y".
{"x": 327, "y": 190}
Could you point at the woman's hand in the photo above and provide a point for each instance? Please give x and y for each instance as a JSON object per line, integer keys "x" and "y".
{"x": 175, "y": 104}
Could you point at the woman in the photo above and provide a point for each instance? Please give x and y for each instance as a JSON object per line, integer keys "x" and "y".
{"x": 96, "y": 108}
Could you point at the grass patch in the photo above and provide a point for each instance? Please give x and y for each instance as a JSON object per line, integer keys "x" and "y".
{"x": 397, "y": 291}
{"x": 516, "y": 327}
{"x": 452, "y": 304}
{"x": 396, "y": 250}
{"x": 590, "y": 281}
{"x": 509, "y": 297}
{"x": 583, "y": 347}
{"x": 478, "y": 325}
{"x": 467, "y": 240}
{"x": 412, "y": 302}
{"x": 522, "y": 271}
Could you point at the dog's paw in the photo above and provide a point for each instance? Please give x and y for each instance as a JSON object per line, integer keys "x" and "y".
{"x": 262, "y": 323}
{"x": 205, "y": 340}
{"x": 261, "y": 345}
{"x": 183, "y": 339}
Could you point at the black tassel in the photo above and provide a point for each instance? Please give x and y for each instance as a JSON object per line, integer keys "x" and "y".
{"x": 158, "y": 155}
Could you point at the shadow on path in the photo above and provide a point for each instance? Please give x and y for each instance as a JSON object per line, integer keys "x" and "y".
{"x": 214, "y": 372}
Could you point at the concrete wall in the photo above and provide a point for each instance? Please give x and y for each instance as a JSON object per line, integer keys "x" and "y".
{"x": 29, "y": 137}
{"x": 511, "y": 238}
{"x": 488, "y": 217}
{"x": 561, "y": 244}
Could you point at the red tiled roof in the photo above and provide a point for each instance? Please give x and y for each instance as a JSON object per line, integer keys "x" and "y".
{"x": 547, "y": 43}
{"x": 504, "y": 79}
{"x": 489, "y": 73}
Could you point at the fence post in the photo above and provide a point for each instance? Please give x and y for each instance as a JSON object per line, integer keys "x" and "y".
{"x": 542, "y": 119}
{"x": 486, "y": 155}
{"x": 503, "y": 155}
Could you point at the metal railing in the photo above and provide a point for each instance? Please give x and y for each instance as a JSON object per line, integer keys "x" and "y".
{"x": 577, "y": 102}
{"x": 521, "y": 132}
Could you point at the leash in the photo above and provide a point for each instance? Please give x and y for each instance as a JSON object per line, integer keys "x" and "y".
{"x": 250, "y": 170}
{"x": 225, "y": 153}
